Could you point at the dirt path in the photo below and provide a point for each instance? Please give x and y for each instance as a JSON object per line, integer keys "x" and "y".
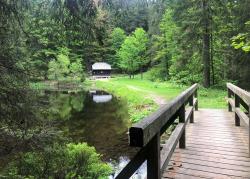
{"x": 156, "y": 98}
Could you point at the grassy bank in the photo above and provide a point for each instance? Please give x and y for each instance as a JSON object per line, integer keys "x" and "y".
{"x": 139, "y": 106}
{"x": 140, "y": 93}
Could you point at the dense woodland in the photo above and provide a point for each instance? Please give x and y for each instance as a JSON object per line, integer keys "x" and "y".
{"x": 184, "y": 41}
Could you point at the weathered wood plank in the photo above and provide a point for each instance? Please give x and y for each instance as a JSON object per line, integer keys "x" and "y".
{"x": 244, "y": 95}
{"x": 231, "y": 102}
{"x": 173, "y": 175}
{"x": 153, "y": 158}
{"x": 240, "y": 141}
{"x": 198, "y": 173}
{"x": 220, "y": 171}
{"x": 219, "y": 148}
{"x": 203, "y": 162}
{"x": 211, "y": 159}
{"x": 210, "y": 143}
{"x": 215, "y": 148}
{"x": 242, "y": 116}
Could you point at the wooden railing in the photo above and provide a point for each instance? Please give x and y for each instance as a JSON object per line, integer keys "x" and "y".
{"x": 146, "y": 135}
{"x": 238, "y": 97}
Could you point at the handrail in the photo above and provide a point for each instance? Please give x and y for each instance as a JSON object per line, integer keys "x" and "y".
{"x": 241, "y": 98}
{"x": 146, "y": 135}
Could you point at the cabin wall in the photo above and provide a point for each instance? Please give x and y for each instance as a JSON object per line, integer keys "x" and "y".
{"x": 101, "y": 72}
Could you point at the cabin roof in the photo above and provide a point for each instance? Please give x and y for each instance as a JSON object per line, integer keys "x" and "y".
{"x": 101, "y": 66}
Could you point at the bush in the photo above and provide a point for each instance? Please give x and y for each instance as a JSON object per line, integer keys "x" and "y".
{"x": 156, "y": 74}
{"x": 65, "y": 68}
{"x": 70, "y": 161}
{"x": 186, "y": 77}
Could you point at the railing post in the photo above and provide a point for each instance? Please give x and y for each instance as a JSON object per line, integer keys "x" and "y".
{"x": 237, "y": 105}
{"x": 153, "y": 158}
{"x": 196, "y": 96}
{"x": 229, "y": 95}
{"x": 191, "y": 103}
{"x": 182, "y": 141}
{"x": 249, "y": 130}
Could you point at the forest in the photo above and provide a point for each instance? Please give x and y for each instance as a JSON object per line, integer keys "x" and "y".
{"x": 181, "y": 42}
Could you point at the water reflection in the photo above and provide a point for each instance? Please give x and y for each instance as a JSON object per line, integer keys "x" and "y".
{"x": 101, "y": 96}
{"x": 103, "y": 125}
{"x": 122, "y": 162}
{"x": 62, "y": 104}
{"x": 95, "y": 117}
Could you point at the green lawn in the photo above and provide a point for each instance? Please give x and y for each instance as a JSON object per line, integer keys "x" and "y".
{"x": 208, "y": 98}
{"x": 139, "y": 105}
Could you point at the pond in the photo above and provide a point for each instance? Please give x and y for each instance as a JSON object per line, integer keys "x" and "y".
{"x": 95, "y": 117}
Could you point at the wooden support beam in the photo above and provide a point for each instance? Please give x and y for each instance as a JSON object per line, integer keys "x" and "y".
{"x": 196, "y": 97}
{"x": 249, "y": 130}
{"x": 237, "y": 105}
{"x": 153, "y": 158}
{"x": 229, "y": 95}
{"x": 191, "y": 103}
{"x": 182, "y": 141}
{"x": 231, "y": 103}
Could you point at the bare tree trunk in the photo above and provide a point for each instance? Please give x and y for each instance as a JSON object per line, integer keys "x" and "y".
{"x": 206, "y": 44}
{"x": 141, "y": 73}
{"x": 212, "y": 59}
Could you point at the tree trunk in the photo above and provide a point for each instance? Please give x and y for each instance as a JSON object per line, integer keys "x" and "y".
{"x": 141, "y": 73}
{"x": 212, "y": 59}
{"x": 206, "y": 44}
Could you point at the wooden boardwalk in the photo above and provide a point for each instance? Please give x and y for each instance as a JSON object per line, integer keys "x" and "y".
{"x": 215, "y": 148}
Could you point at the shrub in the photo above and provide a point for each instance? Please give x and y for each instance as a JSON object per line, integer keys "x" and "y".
{"x": 68, "y": 161}
{"x": 156, "y": 74}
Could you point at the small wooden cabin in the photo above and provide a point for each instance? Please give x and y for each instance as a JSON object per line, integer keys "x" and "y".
{"x": 101, "y": 70}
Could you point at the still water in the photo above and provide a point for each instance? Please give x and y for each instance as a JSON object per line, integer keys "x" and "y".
{"x": 98, "y": 118}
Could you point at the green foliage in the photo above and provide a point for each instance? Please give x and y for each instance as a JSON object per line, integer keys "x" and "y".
{"x": 70, "y": 161}
{"x": 187, "y": 74}
{"x": 242, "y": 40}
{"x": 127, "y": 55}
{"x": 132, "y": 52}
{"x": 156, "y": 74}
{"x": 63, "y": 68}
{"x": 117, "y": 38}
{"x": 61, "y": 105}
{"x": 76, "y": 70}
{"x": 114, "y": 42}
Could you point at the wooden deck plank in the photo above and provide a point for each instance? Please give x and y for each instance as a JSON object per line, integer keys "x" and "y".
{"x": 210, "y": 143}
{"x": 212, "y": 159}
{"x": 219, "y": 148}
{"x": 215, "y": 148}
{"x": 214, "y": 169}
